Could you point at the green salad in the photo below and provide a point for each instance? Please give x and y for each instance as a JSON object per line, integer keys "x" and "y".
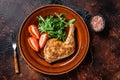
{"x": 54, "y": 25}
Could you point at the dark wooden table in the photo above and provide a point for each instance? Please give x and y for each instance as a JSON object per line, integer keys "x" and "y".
{"x": 103, "y": 58}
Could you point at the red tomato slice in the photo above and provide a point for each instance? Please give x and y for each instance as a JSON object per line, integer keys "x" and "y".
{"x": 43, "y": 39}
{"x": 34, "y": 43}
{"x": 33, "y": 30}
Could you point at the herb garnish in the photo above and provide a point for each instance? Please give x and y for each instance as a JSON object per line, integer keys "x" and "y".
{"x": 54, "y": 25}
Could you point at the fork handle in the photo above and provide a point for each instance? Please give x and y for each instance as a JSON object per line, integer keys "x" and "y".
{"x": 16, "y": 63}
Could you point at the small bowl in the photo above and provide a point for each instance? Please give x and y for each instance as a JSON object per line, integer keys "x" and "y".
{"x": 100, "y": 25}
{"x": 63, "y": 66}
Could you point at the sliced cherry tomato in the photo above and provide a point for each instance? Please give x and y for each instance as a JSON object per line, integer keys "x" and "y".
{"x": 43, "y": 39}
{"x": 34, "y": 43}
{"x": 33, "y": 30}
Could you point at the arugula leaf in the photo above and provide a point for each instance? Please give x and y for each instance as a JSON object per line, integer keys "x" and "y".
{"x": 54, "y": 25}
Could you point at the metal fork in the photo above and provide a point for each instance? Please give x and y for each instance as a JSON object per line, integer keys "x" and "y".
{"x": 14, "y": 45}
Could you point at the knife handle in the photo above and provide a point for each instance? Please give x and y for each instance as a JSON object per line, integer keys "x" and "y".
{"x": 16, "y": 63}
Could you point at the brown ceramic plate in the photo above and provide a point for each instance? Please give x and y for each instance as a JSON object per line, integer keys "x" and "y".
{"x": 62, "y": 66}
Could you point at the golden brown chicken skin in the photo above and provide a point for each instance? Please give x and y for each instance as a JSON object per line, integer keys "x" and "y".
{"x": 56, "y": 50}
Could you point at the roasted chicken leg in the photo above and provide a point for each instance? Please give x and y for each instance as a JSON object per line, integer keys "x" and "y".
{"x": 55, "y": 49}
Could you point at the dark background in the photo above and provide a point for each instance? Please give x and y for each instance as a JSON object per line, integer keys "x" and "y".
{"x": 103, "y": 58}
